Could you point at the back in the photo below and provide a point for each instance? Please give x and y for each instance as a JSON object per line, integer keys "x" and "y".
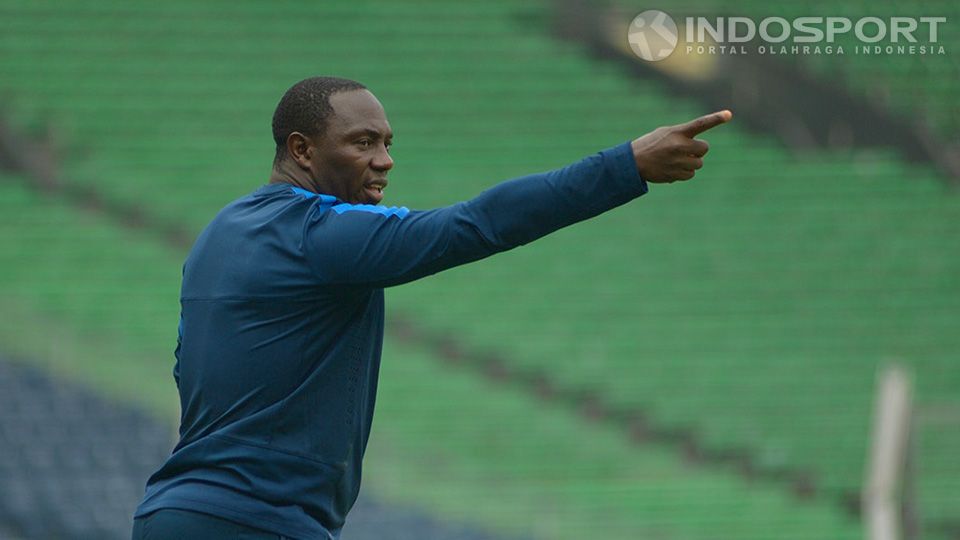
{"x": 256, "y": 319}
{"x": 277, "y": 374}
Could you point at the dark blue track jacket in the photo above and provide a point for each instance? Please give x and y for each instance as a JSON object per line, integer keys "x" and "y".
{"x": 281, "y": 332}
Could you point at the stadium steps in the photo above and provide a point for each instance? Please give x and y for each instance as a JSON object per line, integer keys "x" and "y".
{"x": 594, "y": 482}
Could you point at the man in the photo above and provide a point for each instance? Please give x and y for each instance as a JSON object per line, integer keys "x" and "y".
{"x": 282, "y": 308}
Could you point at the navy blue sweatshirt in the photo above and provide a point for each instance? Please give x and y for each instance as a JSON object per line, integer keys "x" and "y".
{"x": 281, "y": 332}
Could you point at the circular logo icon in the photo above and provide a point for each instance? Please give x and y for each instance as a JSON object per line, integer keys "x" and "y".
{"x": 652, "y": 35}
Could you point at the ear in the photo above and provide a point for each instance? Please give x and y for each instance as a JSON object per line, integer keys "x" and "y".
{"x": 300, "y": 148}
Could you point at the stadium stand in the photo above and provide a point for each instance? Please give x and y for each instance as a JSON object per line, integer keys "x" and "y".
{"x": 73, "y": 466}
{"x": 750, "y": 308}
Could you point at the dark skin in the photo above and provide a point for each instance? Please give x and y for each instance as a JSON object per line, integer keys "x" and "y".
{"x": 351, "y": 159}
{"x": 671, "y": 153}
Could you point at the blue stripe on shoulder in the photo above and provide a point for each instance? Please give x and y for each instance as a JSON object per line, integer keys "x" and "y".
{"x": 324, "y": 199}
{"x": 398, "y": 211}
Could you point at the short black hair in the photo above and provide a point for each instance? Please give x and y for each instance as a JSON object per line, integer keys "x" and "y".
{"x": 305, "y": 107}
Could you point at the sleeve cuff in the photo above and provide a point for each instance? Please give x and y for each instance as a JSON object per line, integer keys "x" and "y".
{"x": 626, "y": 167}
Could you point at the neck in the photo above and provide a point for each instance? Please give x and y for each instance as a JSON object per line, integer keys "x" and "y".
{"x": 286, "y": 172}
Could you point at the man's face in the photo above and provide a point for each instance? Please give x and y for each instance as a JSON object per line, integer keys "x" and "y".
{"x": 352, "y": 158}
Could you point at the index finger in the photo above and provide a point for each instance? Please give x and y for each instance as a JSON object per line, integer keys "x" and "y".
{"x": 699, "y": 125}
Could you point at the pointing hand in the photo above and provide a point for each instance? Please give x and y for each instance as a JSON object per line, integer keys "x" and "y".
{"x": 671, "y": 153}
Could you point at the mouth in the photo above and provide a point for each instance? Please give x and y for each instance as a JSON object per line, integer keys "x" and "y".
{"x": 374, "y": 190}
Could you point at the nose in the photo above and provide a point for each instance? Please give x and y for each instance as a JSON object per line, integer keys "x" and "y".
{"x": 382, "y": 161}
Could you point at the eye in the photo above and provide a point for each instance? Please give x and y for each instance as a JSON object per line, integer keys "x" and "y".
{"x": 364, "y": 143}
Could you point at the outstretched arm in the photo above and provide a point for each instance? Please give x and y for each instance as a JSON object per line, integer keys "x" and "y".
{"x": 377, "y": 247}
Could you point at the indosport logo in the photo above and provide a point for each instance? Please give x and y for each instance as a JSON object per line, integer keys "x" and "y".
{"x": 652, "y": 35}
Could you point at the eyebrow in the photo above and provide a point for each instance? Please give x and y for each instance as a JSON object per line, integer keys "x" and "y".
{"x": 371, "y": 132}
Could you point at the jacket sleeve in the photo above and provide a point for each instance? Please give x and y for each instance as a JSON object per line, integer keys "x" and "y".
{"x": 380, "y": 246}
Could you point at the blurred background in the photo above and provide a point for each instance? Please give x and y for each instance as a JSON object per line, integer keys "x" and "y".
{"x": 700, "y": 364}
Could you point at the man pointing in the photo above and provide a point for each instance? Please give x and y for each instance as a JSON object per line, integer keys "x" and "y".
{"x": 282, "y": 308}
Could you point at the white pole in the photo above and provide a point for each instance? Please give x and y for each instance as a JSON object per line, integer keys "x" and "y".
{"x": 888, "y": 455}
